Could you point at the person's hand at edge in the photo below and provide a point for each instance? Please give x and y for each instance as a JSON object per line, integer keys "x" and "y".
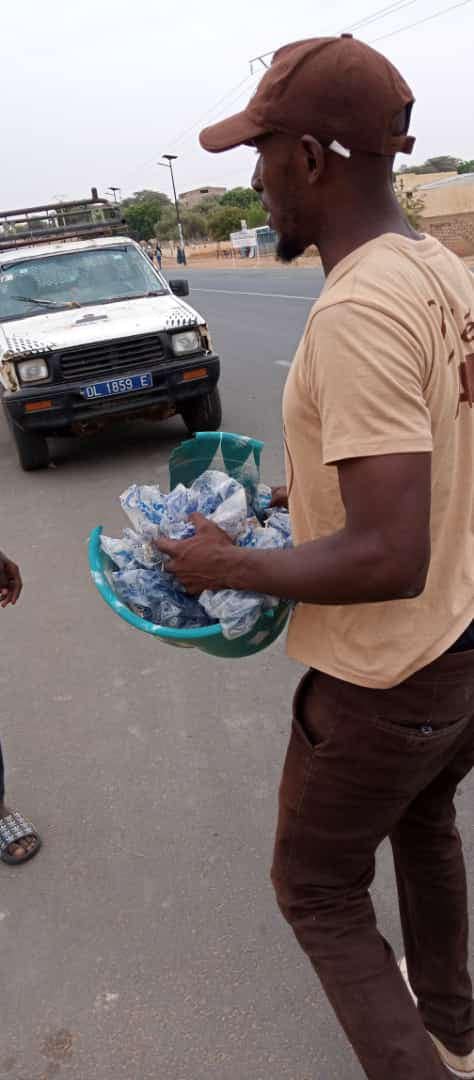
{"x": 10, "y": 581}
{"x": 279, "y": 499}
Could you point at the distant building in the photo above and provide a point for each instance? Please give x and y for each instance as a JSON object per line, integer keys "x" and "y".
{"x": 190, "y": 199}
{"x": 448, "y": 207}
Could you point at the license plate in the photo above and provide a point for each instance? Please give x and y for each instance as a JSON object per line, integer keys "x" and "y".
{"x": 117, "y": 386}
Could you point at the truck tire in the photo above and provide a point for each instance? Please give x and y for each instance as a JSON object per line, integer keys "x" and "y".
{"x": 203, "y": 413}
{"x": 32, "y": 449}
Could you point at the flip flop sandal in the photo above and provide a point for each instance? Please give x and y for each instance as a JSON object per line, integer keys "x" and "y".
{"x": 13, "y": 828}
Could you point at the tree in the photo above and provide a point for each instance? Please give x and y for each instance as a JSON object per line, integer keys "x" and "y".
{"x": 143, "y": 211}
{"x": 195, "y": 226}
{"x": 145, "y": 196}
{"x": 166, "y": 228}
{"x": 256, "y": 216}
{"x": 466, "y": 166}
{"x": 240, "y": 196}
{"x": 444, "y": 163}
{"x": 411, "y": 203}
{"x": 207, "y": 207}
{"x": 224, "y": 221}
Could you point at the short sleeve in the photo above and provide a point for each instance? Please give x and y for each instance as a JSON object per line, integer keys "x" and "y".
{"x": 365, "y": 373}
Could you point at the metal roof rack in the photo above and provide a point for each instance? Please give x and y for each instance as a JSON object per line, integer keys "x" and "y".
{"x": 81, "y": 219}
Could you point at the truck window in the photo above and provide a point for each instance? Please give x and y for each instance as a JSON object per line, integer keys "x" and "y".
{"x": 75, "y": 278}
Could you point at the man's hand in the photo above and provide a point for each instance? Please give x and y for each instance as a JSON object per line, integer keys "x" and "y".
{"x": 10, "y": 581}
{"x": 202, "y": 561}
{"x": 279, "y": 498}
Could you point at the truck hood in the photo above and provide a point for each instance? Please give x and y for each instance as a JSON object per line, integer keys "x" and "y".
{"x": 95, "y": 322}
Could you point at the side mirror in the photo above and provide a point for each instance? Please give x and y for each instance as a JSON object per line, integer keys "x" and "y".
{"x": 180, "y": 287}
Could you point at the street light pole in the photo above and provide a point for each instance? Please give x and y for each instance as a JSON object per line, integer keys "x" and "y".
{"x": 169, "y": 158}
{"x": 113, "y": 191}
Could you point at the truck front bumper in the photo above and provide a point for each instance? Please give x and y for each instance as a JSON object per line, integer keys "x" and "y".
{"x": 56, "y": 408}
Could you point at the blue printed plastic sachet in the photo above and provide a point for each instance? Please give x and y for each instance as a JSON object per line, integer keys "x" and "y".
{"x": 143, "y": 547}
{"x": 141, "y": 581}
{"x": 120, "y": 552}
{"x": 262, "y": 500}
{"x": 143, "y": 504}
{"x": 210, "y": 490}
{"x": 280, "y": 521}
{"x": 231, "y": 515}
{"x": 153, "y": 595}
{"x": 237, "y": 612}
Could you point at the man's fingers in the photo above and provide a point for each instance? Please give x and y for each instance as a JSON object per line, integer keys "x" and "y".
{"x": 14, "y": 582}
{"x": 15, "y": 589}
{"x": 198, "y": 519}
{"x": 168, "y": 547}
{"x": 279, "y": 497}
{"x": 7, "y": 595}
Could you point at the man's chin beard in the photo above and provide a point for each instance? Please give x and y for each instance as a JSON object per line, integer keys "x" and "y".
{"x": 288, "y": 248}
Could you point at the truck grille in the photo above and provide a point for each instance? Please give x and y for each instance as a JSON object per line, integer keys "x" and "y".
{"x": 111, "y": 357}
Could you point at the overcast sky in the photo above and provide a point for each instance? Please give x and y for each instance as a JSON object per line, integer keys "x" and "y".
{"x": 94, "y": 91}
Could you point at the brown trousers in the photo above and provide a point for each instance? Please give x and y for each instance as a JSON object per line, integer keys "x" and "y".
{"x": 363, "y": 765}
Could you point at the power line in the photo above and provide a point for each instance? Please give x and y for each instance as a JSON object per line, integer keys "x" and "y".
{"x": 374, "y": 16}
{"x": 186, "y": 135}
{"x": 197, "y": 123}
{"x": 389, "y": 10}
{"x": 172, "y": 143}
{"x": 419, "y": 22}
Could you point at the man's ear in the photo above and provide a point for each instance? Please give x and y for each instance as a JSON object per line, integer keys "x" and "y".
{"x": 315, "y": 160}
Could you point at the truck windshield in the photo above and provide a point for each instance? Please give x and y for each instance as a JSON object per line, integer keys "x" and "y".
{"x": 75, "y": 278}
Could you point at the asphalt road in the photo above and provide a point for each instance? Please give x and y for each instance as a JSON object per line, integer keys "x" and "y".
{"x": 144, "y": 942}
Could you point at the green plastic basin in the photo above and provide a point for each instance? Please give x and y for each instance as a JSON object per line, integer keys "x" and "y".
{"x": 187, "y": 462}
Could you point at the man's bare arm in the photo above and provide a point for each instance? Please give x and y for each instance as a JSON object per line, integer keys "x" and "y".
{"x": 382, "y": 553}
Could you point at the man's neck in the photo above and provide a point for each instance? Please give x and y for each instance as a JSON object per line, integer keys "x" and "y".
{"x": 354, "y": 228}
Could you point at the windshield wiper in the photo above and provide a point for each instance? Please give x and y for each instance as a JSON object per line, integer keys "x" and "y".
{"x": 47, "y": 303}
{"x": 134, "y": 296}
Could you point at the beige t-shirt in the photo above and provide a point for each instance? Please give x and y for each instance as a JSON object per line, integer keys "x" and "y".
{"x": 386, "y": 365}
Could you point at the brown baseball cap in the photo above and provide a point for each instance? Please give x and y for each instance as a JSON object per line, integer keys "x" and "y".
{"x": 336, "y": 88}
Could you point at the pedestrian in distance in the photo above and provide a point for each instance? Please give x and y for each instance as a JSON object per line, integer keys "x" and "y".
{"x": 158, "y": 254}
{"x": 147, "y": 249}
{"x": 379, "y": 440}
{"x": 19, "y": 840}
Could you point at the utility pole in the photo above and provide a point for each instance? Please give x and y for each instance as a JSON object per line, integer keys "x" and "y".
{"x": 259, "y": 60}
{"x": 113, "y": 191}
{"x": 169, "y": 158}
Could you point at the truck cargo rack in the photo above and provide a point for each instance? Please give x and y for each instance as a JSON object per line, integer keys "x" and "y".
{"x": 81, "y": 219}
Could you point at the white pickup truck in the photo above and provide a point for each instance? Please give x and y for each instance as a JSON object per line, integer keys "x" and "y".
{"x": 91, "y": 332}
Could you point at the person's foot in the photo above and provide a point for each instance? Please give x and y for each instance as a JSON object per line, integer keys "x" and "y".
{"x": 456, "y": 1064}
{"x": 21, "y": 849}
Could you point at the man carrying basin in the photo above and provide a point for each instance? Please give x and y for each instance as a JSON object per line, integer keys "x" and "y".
{"x": 379, "y": 454}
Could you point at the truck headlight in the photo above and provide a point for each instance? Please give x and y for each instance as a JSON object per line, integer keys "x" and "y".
{"x": 33, "y": 370}
{"x": 188, "y": 342}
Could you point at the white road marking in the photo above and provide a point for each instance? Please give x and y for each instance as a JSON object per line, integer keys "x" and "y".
{"x": 273, "y": 295}
{"x": 282, "y": 363}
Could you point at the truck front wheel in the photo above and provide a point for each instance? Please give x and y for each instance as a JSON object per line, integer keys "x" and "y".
{"x": 32, "y": 449}
{"x": 203, "y": 413}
